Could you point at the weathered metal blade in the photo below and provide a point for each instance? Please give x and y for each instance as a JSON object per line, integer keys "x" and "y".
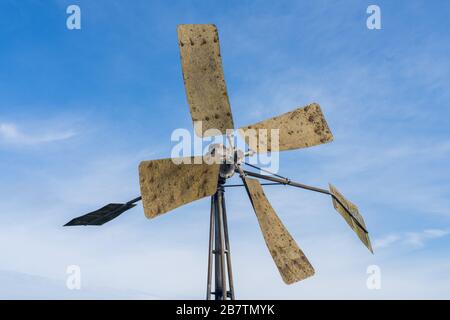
{"x": 169, "y": 183}
{"x": 349, "y": 211}
{"x": 289, "y": 258}
{"x": 204, "y": 81}
{"x": 300, "y": 128}
{"x": 101, "y": 216}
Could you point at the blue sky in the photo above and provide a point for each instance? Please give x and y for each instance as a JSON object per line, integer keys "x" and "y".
{"x": 80, "y": 109}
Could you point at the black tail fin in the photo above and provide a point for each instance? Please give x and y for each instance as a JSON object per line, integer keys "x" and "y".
{"x": 102, "y": 215}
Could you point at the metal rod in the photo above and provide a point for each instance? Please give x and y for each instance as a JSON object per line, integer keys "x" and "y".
{"x": 286, "y": 181}
{"x": 211, "y": 243}
{"x": 218, "y": 271}
{"x": 227, "y": 247}
{"x": 263, "y": 184}
{"x": 265, "y": 170}
{"x": 304, "y": 186}
{"x": 134, "y": 200}
{"x": 222, "y": 243}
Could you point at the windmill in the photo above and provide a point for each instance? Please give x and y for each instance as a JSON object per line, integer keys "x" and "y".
{"x": 166, "y": 184}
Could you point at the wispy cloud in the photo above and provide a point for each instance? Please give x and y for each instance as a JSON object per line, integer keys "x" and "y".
{"x": 10, "y": 133}
{"x": 418, "y": 239}
{"x": 386, "y": 241}
{"x": 413, "y": 239}
{"x": 19, "y": 282}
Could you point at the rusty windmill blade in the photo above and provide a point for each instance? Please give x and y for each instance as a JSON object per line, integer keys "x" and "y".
{"x": 167, "y": 184}
{"x": 203, "y": 76}
{"x": 288, "y": 257}
{"x": 349, "y": 211}
{"x": 301, "y": 128}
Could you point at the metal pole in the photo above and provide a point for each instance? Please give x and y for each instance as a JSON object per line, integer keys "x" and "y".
{"x": 289, "y": 182}
{"x": 217, "y": 250}
{"x": 222, "y": 244}
{"x": 227, "y": 247}
{"x": 219, "y": 246}
{"x": 135, "y": 200}
{"x": 286, "y": 181}
{"x": 211, "y": 243}
{"x": 263, "y": 184}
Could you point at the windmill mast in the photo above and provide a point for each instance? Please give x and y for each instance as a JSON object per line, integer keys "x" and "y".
{"x": 219, "y": 255}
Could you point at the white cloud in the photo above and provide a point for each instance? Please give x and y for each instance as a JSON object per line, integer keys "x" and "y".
{"x": 167, "y": 259}
{"x": 38, "y": 287}
{"x": 385, "y": 241}
{"x": 418, "y": 239}
{"x": 413, "y": 239}
{"x": 10, "y": 133}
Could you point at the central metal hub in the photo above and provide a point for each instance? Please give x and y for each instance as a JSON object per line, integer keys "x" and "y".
{"x": 227, "y": 157}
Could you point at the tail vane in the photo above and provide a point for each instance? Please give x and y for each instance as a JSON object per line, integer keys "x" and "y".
{"x": 101, "y": 216}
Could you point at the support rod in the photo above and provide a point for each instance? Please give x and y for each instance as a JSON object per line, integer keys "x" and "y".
{"x": 135, "y": 200}
{"x": 264, "y": 170}
{"x": 263, "y": 184}
{"x": 286, "y": 181}
{"x": 218, "y": 270}
{"x": 211, "y": 243}
{"x": 222, "y": 243}
{"x": 227, "y": 247}
{"x": 289, "y": 182}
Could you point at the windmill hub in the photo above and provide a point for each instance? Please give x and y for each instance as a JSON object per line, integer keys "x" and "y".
{"x": 227, "y": 157}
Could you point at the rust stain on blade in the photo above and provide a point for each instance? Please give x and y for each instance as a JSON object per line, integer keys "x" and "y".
{"x": 203, "y": 76}
{"x": 166, "y": 185}
{"x": 301, "y": 128}
{"x": 358, "y": 226}
{"x": 288, "y": 257}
